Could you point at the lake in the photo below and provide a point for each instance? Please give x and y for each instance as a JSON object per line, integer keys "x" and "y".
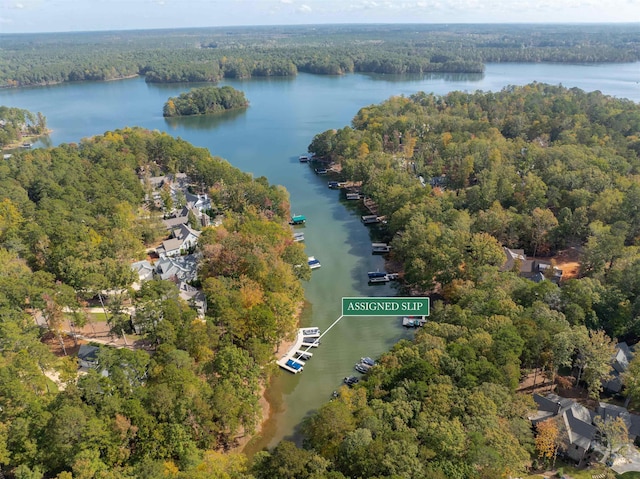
{"x": 266, "y": 140}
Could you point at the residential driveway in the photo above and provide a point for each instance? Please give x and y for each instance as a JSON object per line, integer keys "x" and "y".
{"x": 631, "y": 464}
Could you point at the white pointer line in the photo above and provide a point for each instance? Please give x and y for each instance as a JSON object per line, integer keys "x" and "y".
{"x": 326, "y": 331}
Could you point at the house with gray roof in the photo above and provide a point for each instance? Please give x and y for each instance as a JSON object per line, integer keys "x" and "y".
{"x": 143, "y": 269}
{"x": 533, "y": 269}
{"x": 183, "y": 239}
{"x": 575, "y": 422}
{"x": 620, "y": 363}
{"x": 88, "y": 356}
{"x": 178, "y": 268}
{"x": 196, "y": 298}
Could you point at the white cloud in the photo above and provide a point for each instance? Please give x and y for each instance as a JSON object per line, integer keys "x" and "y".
{"x": 286, "y": 1}
{"x": 19, "y": 6}
{"x": 304, "y": 9}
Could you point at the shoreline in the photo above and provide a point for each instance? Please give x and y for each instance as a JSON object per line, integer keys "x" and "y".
{"x": 266, "y": 407}
{"x": 17, "y": 145}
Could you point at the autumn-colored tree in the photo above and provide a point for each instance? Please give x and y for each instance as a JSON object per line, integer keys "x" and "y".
{"x": 614, "y": 432}
{"x": 547, "y": 435}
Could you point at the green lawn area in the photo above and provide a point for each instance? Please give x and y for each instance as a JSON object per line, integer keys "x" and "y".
{"x": 583, "y": 473}
{"x": 94, "y": 316}
{"x": 629, "y": 475}
{"x": 98, "y": 317}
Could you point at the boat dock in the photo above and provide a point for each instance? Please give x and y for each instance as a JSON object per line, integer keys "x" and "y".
{"x": 413, "y": 321}
{"x": 370, "y": 219}
{"x": 380, "y": 248}
{"x": 294, "y": 360}
{"x": 298, "y": 220}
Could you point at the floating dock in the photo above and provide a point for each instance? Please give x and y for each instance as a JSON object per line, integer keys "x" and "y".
{"x": 295, "y": 358}
{"x": 370, "y": 219}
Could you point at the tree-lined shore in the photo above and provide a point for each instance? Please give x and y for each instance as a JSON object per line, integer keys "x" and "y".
{"x": 210, "y": 54}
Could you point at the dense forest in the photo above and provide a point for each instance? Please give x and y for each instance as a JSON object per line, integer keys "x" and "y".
{"x": 208, "y": 55}
{"x": 537, "y": 167}
{"x": 457, "y": 177}
{"x": 17, "y": 124}
{"x": 72, "y": 219}
{"x": 205, "y": 100}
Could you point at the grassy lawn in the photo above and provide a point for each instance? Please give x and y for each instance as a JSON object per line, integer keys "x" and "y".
{"x": 629, "y": 475}
{"x": 94, "y": 316}
{"x": 583, "y": 473}
{"x": 98, "y": 317}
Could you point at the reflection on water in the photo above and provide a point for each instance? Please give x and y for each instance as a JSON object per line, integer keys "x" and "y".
{"x": 204, "y": 122}
{"x": 419, "y": 77}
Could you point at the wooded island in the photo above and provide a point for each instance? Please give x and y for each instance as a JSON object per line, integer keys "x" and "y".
{"x": 204, "y": 101}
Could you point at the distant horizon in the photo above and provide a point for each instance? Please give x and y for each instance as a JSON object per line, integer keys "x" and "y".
{"x": 302, "y": 25}
{"x": 72, "y": 16}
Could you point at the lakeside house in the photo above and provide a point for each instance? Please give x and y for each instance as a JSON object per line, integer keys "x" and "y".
{"x": 581, "y": 440}
{"x": 534, "y": 269}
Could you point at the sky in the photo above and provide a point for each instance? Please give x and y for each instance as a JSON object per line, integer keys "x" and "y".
{"x": 29, "y": 16}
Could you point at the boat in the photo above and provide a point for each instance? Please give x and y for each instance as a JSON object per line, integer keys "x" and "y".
{"x": 380, "y": 248}
{"x": 379, "y": 279}
{"x": 333, "y": 184}
{"x": 351, "y": 380}
{"x": 321, "y": 171}
{"x": 313, "y": 262}
{"x": 393, "y": 276}
{"x": 353, "y": 196}
{"x": 362, "y": 368}
{"x": 368, "y": 361}
{"x": 294, "y": 365}
{"x": 413, "y": 321}
{"x": 303, "y": 158}
{"x": 312, "y": 332}
{"x": 298, "y": 220}
{"x": 370, "y": 219}
{"x": 26, "y": 145}
{"x": 376, "y": 274}
{"x": 298, "y": 237}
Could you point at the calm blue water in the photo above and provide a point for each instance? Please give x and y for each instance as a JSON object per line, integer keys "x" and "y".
{"x": 266, "y": 139}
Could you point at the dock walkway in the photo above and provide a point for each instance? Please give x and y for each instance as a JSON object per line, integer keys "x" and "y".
{"x": 293, "y": 361}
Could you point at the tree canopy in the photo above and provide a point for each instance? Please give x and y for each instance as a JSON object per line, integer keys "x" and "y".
{"x": 205, "y": 100}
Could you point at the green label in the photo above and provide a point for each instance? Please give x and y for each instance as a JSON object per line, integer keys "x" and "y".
{"x": 385, "y": 306}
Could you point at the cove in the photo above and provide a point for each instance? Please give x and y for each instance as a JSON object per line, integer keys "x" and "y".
{"x": 266, "y": 139}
